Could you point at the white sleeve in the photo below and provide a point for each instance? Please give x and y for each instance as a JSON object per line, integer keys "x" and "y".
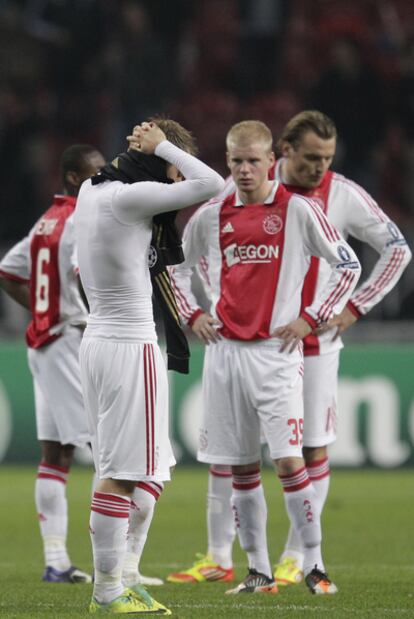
{"x": 138, "y": 201}
{"x": 195, "y": 247}
{"x": 71, "y": 244}
{"x": 368, "y": 223}
{"x": 16, "y": 264}
{"x": 324, "y": 241}
{"x": 203, "y": 266}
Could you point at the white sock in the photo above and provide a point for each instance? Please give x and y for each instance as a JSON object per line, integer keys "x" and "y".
{"x": 220, "y": 520}
{"x": 319, "y": 475}
{"x": 250, "y": 513}
{"x": 51, "y": 505}
{"x": 143, "y": 503}
{"x": 301, "y": 506}
{"x": 108, "y": 528}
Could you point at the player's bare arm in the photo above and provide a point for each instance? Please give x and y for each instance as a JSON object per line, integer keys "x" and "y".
{"x": 18, "y": 291}
{"x": 205, "y": 329}
{"x": 292, "y": 333}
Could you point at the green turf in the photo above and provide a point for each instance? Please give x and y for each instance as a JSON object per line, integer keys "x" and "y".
{"x": 369, "y": 550}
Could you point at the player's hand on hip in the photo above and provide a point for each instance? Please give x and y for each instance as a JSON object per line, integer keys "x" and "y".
{"x": 292, "y": 334}
{"x": 205, "y": 328}
{"x": 146, "y": 137}
{"x": 341, "y": 322}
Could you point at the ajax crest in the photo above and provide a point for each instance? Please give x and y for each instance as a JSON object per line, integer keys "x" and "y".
{"x": 272, "y": 224}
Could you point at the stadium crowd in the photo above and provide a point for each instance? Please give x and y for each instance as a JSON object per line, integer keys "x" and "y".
{"x": 82, "y": 70}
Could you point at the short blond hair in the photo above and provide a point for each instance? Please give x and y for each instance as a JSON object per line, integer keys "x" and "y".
{"x": 249, "y": 132}
{"x": 176, "y": 134}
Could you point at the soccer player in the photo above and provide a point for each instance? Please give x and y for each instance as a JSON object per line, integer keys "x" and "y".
{"x": 40, "y": 273}
{"x": 306, "y": 150}
{"x": 258, "y": 243}
{"x": 123, "y": 373}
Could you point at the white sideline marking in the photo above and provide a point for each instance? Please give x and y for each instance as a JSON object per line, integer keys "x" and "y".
{"x": 285, "y": 607}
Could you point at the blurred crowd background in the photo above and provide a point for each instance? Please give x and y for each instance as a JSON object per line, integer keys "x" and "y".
{"x": 88, "y": 70}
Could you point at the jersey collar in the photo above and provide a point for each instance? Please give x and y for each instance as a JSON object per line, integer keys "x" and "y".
{"x": 62, "y": 200}
{"x": 269, "y": 200}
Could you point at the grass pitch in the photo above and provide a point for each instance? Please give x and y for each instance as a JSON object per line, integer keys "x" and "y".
{"x": 368, "y": 548}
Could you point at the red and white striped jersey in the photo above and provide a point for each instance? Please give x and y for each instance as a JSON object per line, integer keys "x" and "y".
{"x": 256, "y": 258}
{"x": 353, "y": 212}
{"x": 46, "y": 260}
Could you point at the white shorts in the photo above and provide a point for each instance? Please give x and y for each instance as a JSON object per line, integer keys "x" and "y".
{"x": 125, "y": 387}
{"x": 60, "y": 412}
{"x": 248, "y": 387}
{"x": 320, "y": 392}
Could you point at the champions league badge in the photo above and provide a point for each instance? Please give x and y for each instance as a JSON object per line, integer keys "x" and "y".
{"x": 272, "y": 224}
{"x": 152, "y": 257}
{"x": 345, "y": 256}
{"x": 343, "y": 253}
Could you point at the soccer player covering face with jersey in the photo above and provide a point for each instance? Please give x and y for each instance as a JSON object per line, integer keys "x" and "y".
{"x": 258, "y": 244}
{"x": 124, "y": 377}
{"x": 305, "y": 151}
{"x": 40, "y": 273}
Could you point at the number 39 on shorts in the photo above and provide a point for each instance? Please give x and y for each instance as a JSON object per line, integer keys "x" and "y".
{"x": 296, "y": 426}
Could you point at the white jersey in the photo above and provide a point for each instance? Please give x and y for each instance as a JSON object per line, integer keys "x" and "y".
{"x": 113, "y": 228}
{"x": 46, "y": 259}
{"x": 353, "y": 212}
{"x": 257, "y": 257}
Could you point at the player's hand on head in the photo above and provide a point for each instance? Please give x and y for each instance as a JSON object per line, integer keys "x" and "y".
{"x": 292, "y": 334}
{"x": 205, "y": 328}
{"x": 134, "y": 140}
{"x": 145, "y": 138}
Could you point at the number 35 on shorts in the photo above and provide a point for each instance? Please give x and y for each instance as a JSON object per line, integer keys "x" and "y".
{"x": 296, "y": 427}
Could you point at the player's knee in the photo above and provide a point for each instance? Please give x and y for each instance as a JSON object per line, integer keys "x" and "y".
{"x": 55, "y": 454}
{"x": 314, "y": 454}
{"x": 289, "y": 466}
